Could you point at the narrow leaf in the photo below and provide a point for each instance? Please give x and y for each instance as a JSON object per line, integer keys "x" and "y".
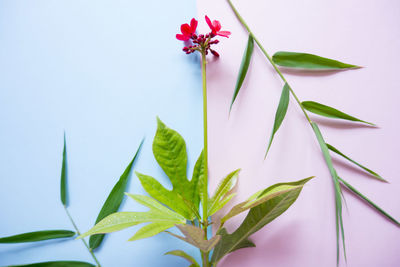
{"x": 114, "y": 200}
{"x": 198, "y": 175}
{"x": 57, "y": 264}
{"x": 309, "y": 62}
{"x": 374, "y": 174}
{"x": 37, "y": 236}
{"x": 151, "y": 229}
{"x": 330, "y": 112}
{"x": 222, "y": 189}
{"x": 182, "y": 254}
{"x": 280, "y": 113}
{"x": 121, "y": 220}
{"x": 263, "y": 196}
{"x": 338, "y": 191}
{"x": 244, "y": 66}
{"x": 257, "y": 218}
{"x": 63, "y": 184}
{"x": 195, "y": 236}
{"x": 357, "y": 193}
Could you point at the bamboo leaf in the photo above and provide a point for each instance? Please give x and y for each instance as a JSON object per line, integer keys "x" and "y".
{"x": 63, "y": 184}
{"x": 37, "y": 236}
{"x": 195, "y": 236}
{"x": 114, "y": 200}
{"x": 258, "y": 216}
{"x": 280, "y": 113}
{"x": 151, "y": 229}
{"x": 121, "y": 220}
{"x": 309, "y": 61}
{"x": 338, "y": 191}
{"x": 184, "y": 255}
{"x": 374, "y": 174}
{"x": 263, "y": 196}
{"x": 244, "y": 66}
{"x": 357, "y": 193}
{"x": 220, "y": 192}
{"x": 330, "y": 112}
{"x": 57, "y": 264}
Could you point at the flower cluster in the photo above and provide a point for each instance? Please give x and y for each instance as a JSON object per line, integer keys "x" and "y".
{"x": 202, "y": 42}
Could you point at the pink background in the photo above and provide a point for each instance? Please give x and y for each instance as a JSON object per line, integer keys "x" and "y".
{"x": 360, "y": 32}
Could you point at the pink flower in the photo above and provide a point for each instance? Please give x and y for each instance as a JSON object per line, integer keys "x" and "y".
{"x": 187, "y": 30}
{"x": 215, "y": 27}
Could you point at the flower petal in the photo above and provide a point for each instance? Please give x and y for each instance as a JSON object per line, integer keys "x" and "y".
{"x": 186, "y": 30}
{"x": 210, "y": 24}
{"x": 217, "y": 25}
{"x": 193, "y": 25}
{"x": 182, "y": 37}
{"x": 224, "y": 33}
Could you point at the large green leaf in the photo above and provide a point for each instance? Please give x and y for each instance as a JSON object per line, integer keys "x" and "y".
{"x": 280, "y": 113}
{"x": 257, "y": 218}
{"x": 195, "y": 236}
{"x": 121, "y": 220}
{"x": 57, "y": 264}
{"x": 114, "y": 200}
{"x": 63, "y": 183}
{"x": 222, "y": 192}
{"x": 357, "y": 193}
{"x": 151, "y": 229}
{"x": 374, "y": 174}
{"x": 330, "y": 112}
{"x": 309, "y": 61}
{"x": 184, "y": 255}
{"x": 37, "y": 236}
{"x": 338, "y": 191}
{"x": 244, "y": 66}
{"x": 263, "y": 196}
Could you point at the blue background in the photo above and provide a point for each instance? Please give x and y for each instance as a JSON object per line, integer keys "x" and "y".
{"x": 102, "y": 71}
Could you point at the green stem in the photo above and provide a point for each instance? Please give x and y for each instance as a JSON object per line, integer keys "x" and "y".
{"x": 269, "y": 59}
{"x": 83, "y": 240}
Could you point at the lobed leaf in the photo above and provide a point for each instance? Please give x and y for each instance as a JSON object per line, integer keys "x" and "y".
{"x": 151, "y": 229}
{"x": 309, "y": 61}
{"x": 330, "y": 112}
{"x": 244, "y": 66}
{"x": 258, "y": 216}
{"x": 374, "y": 174}
{"x": 280, "y": 113}
{"x": 56, "y": 264}
{"x": 63, "y": 183}
{"x": 114, "y": 200}
{"x": 338, "y": 191}
{"x": 263, "y": 196}
{"x": 184, "y": 255}
{"x": 198, "y": 181}
{"x": 221, "y": 192}
{"x": 357, "y": 193}
{"x": 37, "y": 236}
{"x": 195, "y": 236}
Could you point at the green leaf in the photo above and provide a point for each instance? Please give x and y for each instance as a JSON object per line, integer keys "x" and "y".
{"x": 63, "y": 184}
{"x": 57, "y": 264}
{"x": 357, "y": 193}
{"x": 121, "y": 220}
{"x": 151, "y": 229}
{"x": 329, "y": 112}
{"x": 195, "y": 236}
{"x": 37, "y": 236}
{"x": 220, "y": 194}
{"x": 338, "y": 191}
{"x": 309, "y": 62}
{"x": 114, "y": 200}
{"x": 169, "y": 149}
{"x": 263, "y": 196}
{"x": 374, "y": 174}
{"x": 198, "y": 180}
{"x": 280, "y": 113}
{"x": 257, "y": 218}
{"x": 184, "y": 255}
{"x": 244, "y": 66}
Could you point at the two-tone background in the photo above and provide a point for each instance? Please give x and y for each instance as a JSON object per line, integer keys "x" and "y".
{"x": 103, "y": 70}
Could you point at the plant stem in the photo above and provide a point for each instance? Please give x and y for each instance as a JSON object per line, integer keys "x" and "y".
{"x": 269, "y": 59}
{"x": 83, "y": 240}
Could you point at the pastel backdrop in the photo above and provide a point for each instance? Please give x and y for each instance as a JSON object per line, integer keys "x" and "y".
{"x": 102, "y": 71}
